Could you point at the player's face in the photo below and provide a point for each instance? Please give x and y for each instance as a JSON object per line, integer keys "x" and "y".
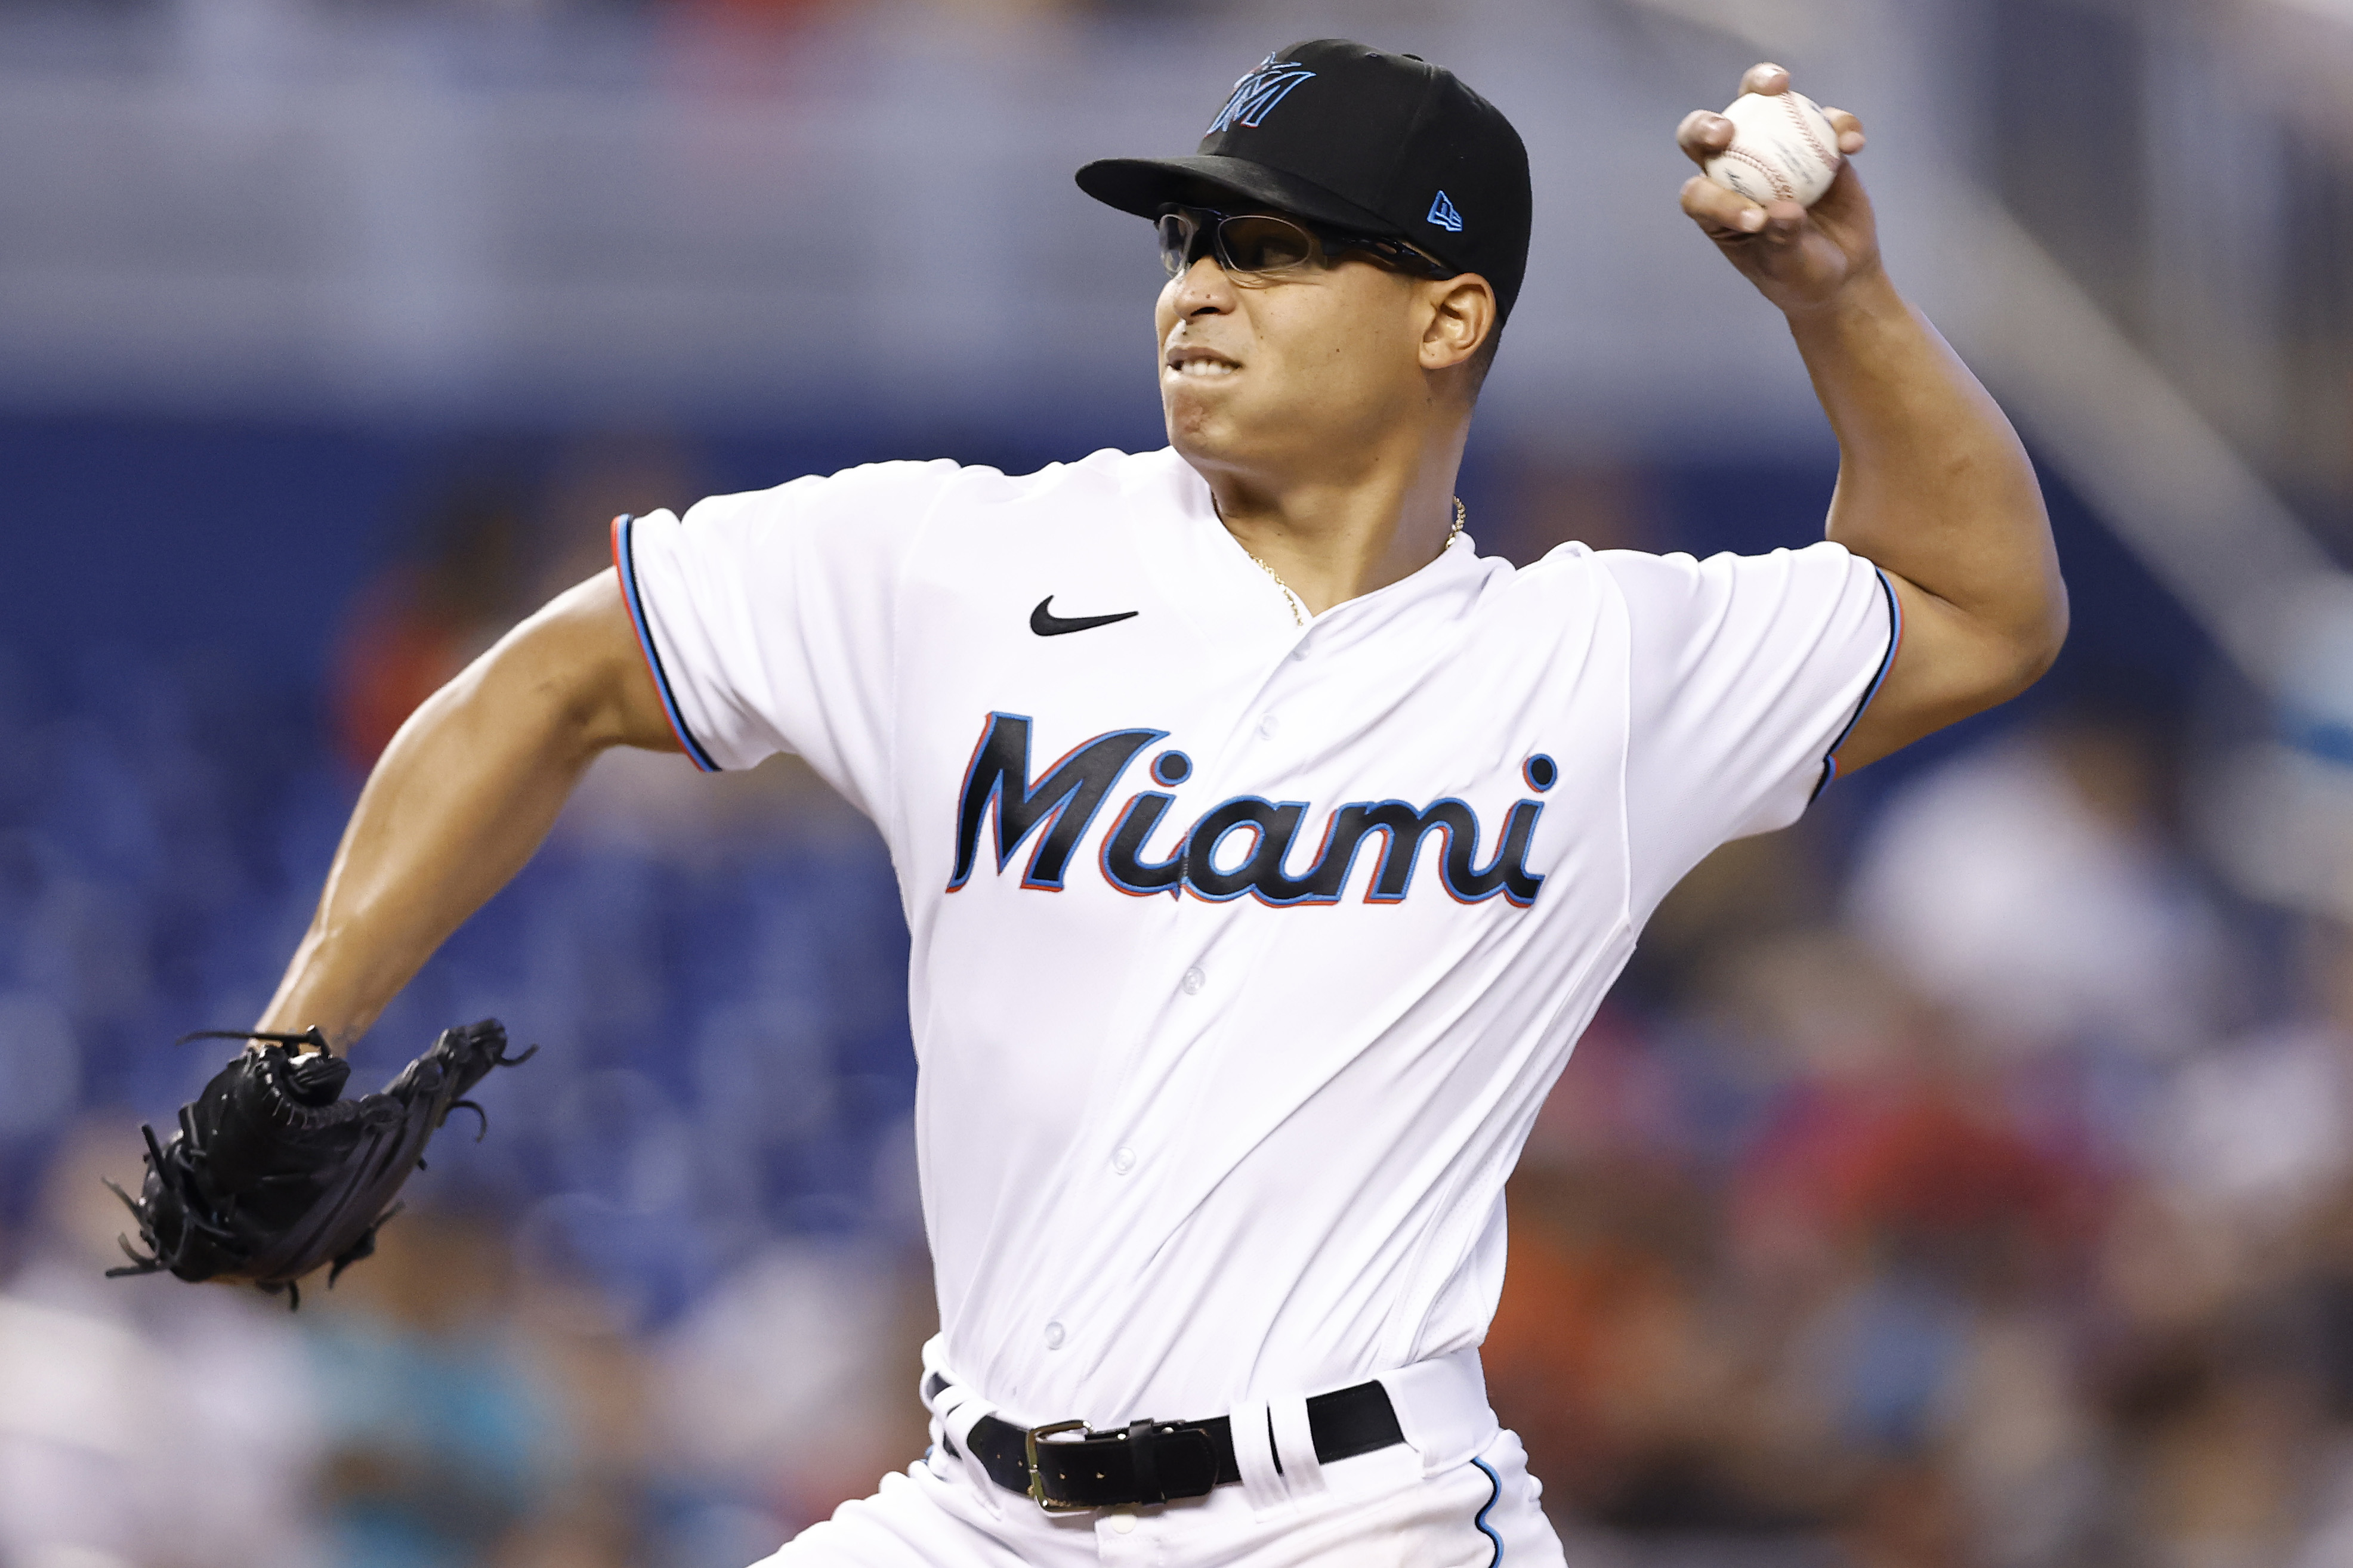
{"x": 1290, "y": 372}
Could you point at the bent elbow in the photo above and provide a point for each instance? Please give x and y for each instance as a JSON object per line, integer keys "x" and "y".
{"x": 2032, "y": 650}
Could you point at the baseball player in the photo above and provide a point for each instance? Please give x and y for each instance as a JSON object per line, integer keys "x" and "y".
{"x": 1265, "y": 847}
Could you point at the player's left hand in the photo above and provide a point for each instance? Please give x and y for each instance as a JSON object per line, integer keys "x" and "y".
{"x": 273, "y": 1173}
{"x": 1799, "y": 258}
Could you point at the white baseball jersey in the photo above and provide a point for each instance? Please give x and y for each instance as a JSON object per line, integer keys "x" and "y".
{"x": 1243, "y": 953}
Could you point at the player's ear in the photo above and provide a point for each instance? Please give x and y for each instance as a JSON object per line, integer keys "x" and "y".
{"x": 1462, "y": 316}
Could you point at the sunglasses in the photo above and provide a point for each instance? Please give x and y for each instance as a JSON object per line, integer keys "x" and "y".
{"x": 1256, "y": 244}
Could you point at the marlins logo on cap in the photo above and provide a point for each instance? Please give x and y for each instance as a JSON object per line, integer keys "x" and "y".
{"x": 1258, "y": 92}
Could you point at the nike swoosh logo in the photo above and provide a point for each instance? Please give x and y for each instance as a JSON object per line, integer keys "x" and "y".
{"x": 1046, "y": 624}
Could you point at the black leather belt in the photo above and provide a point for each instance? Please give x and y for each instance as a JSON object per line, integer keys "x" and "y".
{"x": 1067, "y": 1466}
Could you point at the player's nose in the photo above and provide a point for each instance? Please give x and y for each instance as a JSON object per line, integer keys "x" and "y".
{"x": 1202, "y": 289}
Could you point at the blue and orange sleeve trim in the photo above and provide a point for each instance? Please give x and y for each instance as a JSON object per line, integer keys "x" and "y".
{"x": 625, "y": 565}
{"x": 1887, "y": 663}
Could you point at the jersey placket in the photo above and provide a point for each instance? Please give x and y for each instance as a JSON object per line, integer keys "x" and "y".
{"x": 1186, "y": 984}
{"x": 1189, "y": 987}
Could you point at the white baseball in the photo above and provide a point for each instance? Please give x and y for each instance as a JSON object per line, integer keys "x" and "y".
{"x": 1783, "y": 149}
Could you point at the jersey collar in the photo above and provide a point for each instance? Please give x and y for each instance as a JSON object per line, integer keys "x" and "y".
{"x": 1233, "y": 602}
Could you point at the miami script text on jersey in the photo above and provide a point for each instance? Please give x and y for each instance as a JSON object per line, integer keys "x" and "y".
{"x": 1057, "y": 809}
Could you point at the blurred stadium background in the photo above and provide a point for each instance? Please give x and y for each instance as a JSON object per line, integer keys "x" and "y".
{"x": 1964, "y": 1177}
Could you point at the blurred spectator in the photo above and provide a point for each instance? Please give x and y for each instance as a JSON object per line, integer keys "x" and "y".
{"x": 2259, "y": 1132}
{"x": 2031, "y": 886}
{"x": 1914, "y": 1237}
{"x": 443, "y": 1441}
{"x": 1840, "y": 1311}
{"x": 425, "y": 618}
{"x": 604, "y": 1512}
{"x": 793, "y": 1383}
{"x": 1605, "y": 1356}
{"x": 143, "y": 1423}
{"x": 1883, "y": 1135}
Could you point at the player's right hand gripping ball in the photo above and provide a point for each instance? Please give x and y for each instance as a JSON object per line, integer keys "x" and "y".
{"x": 273, "y": 1174}
{"x": 1783, "y": 149}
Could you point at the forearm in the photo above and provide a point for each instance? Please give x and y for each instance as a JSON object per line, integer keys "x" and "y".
{"x": 460, "y": 801}
{"x": 1934, "y": 485}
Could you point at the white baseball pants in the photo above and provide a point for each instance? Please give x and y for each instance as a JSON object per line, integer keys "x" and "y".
{"x": 1376, "y": 1510}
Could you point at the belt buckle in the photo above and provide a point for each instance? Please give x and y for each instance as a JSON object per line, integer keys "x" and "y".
{"x": 1037, "y": 1486}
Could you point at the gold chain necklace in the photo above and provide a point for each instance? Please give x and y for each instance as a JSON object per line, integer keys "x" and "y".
{"x": 1299, "y": 606}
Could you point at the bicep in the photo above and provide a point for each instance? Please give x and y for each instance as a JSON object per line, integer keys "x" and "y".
{"x": 1946, "y": 666}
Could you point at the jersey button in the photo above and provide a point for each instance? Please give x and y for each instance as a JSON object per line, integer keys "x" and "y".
{"x": 1123, "y": 1160}
{"x": 1122, "y": 1524}
{"x": 1268, "y": 726}
{"x": 1193, "y": 981}
{"x": 1054, "y": 1336}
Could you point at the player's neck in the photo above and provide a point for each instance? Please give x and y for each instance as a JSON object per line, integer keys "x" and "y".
{"x": 1332, "y": 540}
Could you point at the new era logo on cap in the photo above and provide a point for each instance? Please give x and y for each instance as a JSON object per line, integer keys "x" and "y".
{"x": 1258, "y": 92}
{"x": 1442, "y": 214}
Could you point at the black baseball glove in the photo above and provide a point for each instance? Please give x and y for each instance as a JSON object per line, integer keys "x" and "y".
{"x": 272, "y": 1174}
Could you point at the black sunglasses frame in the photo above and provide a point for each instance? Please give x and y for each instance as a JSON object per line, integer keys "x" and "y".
{"x": 1398, "y": 253}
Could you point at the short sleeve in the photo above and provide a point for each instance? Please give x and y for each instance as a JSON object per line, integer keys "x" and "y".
{"x": 769, "y": 619}
{"x": 1745, "y": 673}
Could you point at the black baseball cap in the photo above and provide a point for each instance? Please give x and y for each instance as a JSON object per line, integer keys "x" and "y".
{"x": 1343, "y": 134}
